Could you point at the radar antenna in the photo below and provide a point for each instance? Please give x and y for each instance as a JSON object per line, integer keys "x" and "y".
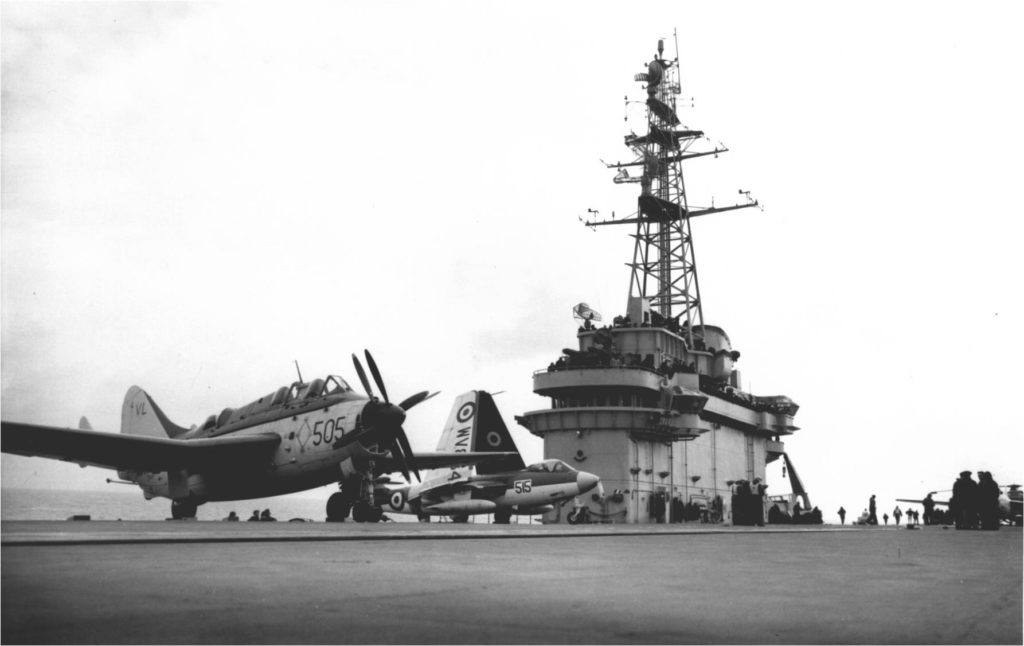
{"x": 664, "y": 270}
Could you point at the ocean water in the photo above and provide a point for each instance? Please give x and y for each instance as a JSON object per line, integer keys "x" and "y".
{"x": 121, "y": 502}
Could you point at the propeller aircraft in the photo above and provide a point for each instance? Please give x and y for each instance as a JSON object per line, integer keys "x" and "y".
{"x": 298, "y": 437}
{"x": 500, "y": 487}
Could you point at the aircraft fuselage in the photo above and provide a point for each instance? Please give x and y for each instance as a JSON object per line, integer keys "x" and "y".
{"x": 527, "y": 491}
{"x": 311, "y": 451}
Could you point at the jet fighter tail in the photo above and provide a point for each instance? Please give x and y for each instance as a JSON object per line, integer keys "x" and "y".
{"x": 141, "y": 416}
{"x": 476, "y": 425}
{"x": 492, "y": 435}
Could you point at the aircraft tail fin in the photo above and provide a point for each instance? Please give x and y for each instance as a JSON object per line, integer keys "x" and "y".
{"x": 84, "y": 425}
{"x": 457, "y": 436}
{"x": 141, "y": 416}
{"x": 475, "y": 424}
{"x": 491, "y": 434}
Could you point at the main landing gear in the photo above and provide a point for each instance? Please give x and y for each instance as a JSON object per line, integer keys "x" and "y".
{"x": 356, "y": 496}
{"x": 183, "y": 509}
{"x": 338, "y": 507}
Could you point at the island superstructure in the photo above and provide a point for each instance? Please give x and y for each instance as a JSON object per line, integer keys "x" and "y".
{"x": 652, "y": 403}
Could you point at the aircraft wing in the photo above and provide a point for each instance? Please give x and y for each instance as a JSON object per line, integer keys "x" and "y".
{"x": 135, "y": 452}
{"x": 441, "y": 460}
{"x": 921, "y": 502}
{"x": 446, "y": 490}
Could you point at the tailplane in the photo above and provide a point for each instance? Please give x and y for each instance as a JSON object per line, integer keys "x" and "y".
{"x": 141, "y": 416}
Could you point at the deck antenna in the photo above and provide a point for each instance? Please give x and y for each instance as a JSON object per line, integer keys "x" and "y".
{"x": 298, "y": 370}
{"x": 675, "y": 37}
{"x": 664, "y": 267}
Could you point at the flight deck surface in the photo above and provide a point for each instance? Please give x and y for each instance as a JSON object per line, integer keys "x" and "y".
{"x": 215, "y": 582}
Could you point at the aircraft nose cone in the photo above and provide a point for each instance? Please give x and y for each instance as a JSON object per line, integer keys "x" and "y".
{"x": 391, "y": 415}
{"x": 377, "y": 414}
{"x": 586, "y": 481}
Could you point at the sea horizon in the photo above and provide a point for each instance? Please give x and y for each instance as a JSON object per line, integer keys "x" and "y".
{"x": 26, "y": 503}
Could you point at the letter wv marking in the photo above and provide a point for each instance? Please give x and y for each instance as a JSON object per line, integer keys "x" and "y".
{"x": 462, "y": 439}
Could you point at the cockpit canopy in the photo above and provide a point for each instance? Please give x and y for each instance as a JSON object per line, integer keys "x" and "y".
{"x": 332, "y": 385}
{"x": 550, "y": 466}
{"x": 298, "y": 391}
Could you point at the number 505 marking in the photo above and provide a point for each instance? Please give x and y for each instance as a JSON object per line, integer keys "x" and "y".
{"x": 523, "y": 486}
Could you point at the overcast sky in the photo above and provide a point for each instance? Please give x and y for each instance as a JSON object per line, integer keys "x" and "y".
{"x": 196, "y": 194}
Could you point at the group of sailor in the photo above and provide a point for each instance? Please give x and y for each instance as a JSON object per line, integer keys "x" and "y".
{"x": 975, "y": 505}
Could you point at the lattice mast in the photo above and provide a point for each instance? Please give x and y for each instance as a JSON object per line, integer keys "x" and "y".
{"x": 664, "y": 270}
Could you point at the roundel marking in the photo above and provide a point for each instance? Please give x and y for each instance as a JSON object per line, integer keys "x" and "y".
{"x": 494, "y": 439}
{"x": 466, "y": 412}
{"x": 397, "y": 500}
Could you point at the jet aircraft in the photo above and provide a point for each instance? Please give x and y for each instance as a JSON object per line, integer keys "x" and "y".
{"x": 298, "y": 437}
{"x": 500, "y": 487}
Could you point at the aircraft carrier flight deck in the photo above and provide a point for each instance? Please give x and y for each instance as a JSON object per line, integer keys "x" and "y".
{"x": 215, "y": 582}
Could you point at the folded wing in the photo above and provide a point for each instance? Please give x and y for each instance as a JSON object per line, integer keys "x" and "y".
{"x": 136, "y": 452}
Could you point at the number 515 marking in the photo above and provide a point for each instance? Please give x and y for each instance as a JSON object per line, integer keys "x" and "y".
{"x": 523, "y": 486}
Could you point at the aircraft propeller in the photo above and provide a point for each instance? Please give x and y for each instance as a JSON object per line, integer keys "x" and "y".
{"x": 409, "y": 402}
{"x": 387, "y": 418}
{"x": 376, "y": 375}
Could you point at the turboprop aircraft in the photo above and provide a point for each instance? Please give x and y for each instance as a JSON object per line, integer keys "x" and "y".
{"x": 298, "y": 437}
{"x": 500, "y": 487}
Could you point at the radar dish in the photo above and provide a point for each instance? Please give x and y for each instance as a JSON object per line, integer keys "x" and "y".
{"x": 583, "y": 312}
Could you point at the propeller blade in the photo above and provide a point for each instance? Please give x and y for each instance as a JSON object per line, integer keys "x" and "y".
{"x": 376, "y": 375}
{"x": 396, "y": 453}
{"x": 409, "y": 457}
{"x": 362, "y": 376}
{"x": 417, "y": 399}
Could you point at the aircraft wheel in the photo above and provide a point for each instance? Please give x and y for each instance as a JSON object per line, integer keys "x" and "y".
{"x": 183, "y": 509}
{"x": 338, "y": 508}
{"x": 502, "y": 516}
{"x": 362, "y": 512}
{"x": 460, "y": 519}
